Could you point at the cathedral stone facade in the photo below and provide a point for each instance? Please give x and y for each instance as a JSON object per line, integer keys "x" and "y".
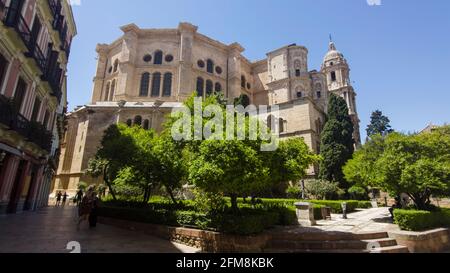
{"x": 146, "y": 73}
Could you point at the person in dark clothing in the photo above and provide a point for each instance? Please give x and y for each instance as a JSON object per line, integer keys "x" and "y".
{"x": 93, "y": 215}
{"x": 64, "y": 199}
{"x": 58, "y": 198}
{"x": 397, "y": 205}
{"x": 79, "y": 197}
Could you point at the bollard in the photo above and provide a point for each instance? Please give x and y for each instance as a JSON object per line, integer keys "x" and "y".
{"x": 344, "y": 210}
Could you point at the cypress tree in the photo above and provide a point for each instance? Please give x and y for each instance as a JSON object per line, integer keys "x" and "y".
{"x": 337, "y": 144}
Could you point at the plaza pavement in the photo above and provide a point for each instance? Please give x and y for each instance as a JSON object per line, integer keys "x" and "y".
{"x": 50, "y": 230}
{"x": 362, "y": 221}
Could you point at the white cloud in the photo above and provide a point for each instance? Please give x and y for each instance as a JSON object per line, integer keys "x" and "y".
{"x": 374, "y": 2}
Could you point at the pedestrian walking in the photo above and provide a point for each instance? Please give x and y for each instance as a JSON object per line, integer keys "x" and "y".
{"x": 79, "y": 197}
{"x": 58, "y": 198}
{"x": 93, "y": 215}
{"x": 85, "y": 207}
{"x": 64, "y": 199}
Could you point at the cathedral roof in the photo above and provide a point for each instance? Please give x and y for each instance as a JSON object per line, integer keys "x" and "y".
{"x": 333, "y": 53}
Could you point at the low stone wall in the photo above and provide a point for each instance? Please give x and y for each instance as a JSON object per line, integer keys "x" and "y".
{"x": 433, "y": 241}
{"x": 207, "y": 241}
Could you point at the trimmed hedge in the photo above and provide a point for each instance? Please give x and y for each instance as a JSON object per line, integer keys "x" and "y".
{"x": 246, "y": 221}
{"x": 336, "y": 206}
{"x": 418, "y": 220}
{"x": 251, "y": 219}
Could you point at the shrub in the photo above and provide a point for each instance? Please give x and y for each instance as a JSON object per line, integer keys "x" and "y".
{"x": 247, "y": 222}
{"x": 293, "y": 192}
{"x": 358, "y": 193}
{"x": 418, "y": 220}
{"x": 287, "y": 216}
{"x": 82, "y": 186}
{"x": 318, "y": 212}
{"x": 364, "y": 205}
{"x": 321, "y": 189}
{"x": 208, "y": 202}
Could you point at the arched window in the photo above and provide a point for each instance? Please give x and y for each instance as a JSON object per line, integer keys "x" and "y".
{"x": 243, "y": 81}
{"x": 108, "y": 86}
{"x": 158, "y": 57}
{"x": 138, "y": 120}
{"x": 299, "y": 91}
{"x": 116, "y": 65}
{"x": 209, "y": 66}
{"x": 146, "y": 124}
{"x": 167, "y": 85}
{"x": 113, "y": 90}
{"x": 333, "y": 76}
{"x": 145, "y": 82}
{"x": 281, "y": 124}
{"x": 297, "y": 66}
{"x": 129, "y": 122}
{"x": 218, "y": 87}
{"x": 318, "y": 89}
{"x": 156, "y": 84}
{"x": 209, "y": 88}
{"x": 200, "y": 83}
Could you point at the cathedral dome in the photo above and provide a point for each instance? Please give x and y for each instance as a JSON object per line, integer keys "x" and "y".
{"x": 333, "y": 54}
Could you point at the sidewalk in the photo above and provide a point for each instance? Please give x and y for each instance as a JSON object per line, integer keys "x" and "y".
{"x": 51, "y": 229}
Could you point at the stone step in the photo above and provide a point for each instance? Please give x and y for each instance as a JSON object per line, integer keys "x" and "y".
{"x": 344, "y": 244}
{"x": 386, "y": 242}
{"x": 324, "y": 251}
{"x": 391, "y": 249}
{"x": 328, "y": 236}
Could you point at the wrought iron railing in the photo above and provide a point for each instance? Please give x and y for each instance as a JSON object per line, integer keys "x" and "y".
{"x": 13, "y": 18}
{"x": 31, "y": 131}
{"x": 66, "y": 47}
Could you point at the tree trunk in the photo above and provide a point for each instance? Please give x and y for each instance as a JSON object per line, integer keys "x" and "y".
{"x": 234, "y": 205}
{"x": 146, "y": 196}
{"x": 421, "y": 201}
{"x": 105, "y": 178}
{"x": 170, "y": 192}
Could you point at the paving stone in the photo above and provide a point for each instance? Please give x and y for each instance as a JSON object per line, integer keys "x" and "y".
{"x": 49, "y": 230}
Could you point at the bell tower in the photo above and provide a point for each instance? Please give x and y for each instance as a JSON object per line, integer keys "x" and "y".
{"x": 337, "y": 72}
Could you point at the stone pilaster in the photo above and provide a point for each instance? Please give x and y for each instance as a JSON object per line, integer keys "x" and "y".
{"x": 185, "y": 84}
{"x": 234, "y": 71}
{"x": 99, "y": 79}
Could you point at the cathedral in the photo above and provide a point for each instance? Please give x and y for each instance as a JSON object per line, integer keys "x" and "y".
{"x": 146, "y": 73}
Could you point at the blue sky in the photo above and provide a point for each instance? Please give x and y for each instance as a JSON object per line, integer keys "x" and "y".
{"x": 399, "y": 52}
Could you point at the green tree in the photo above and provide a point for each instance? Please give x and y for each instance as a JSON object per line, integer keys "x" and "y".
{"x": 418, "y": 165}
{"x": 337, "y": 144}
{"x": 290, "y": 161}
{"x": 170, "y": 164}
{"x": 124, "y": 147}
{"x": 239, "y": 167}
{"x": 379, "y": 124}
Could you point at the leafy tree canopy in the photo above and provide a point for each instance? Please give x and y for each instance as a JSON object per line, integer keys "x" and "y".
{"x": 418, "y": 165}
{"x": 379, "y": 124}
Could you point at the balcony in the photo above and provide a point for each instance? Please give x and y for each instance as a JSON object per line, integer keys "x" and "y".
{"x": 13, "y": 18}
{"x": 59, "y": 25}
{"x": 32, "y": 131}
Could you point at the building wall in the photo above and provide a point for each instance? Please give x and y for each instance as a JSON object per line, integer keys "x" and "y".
{"x": 26, "y": 166}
